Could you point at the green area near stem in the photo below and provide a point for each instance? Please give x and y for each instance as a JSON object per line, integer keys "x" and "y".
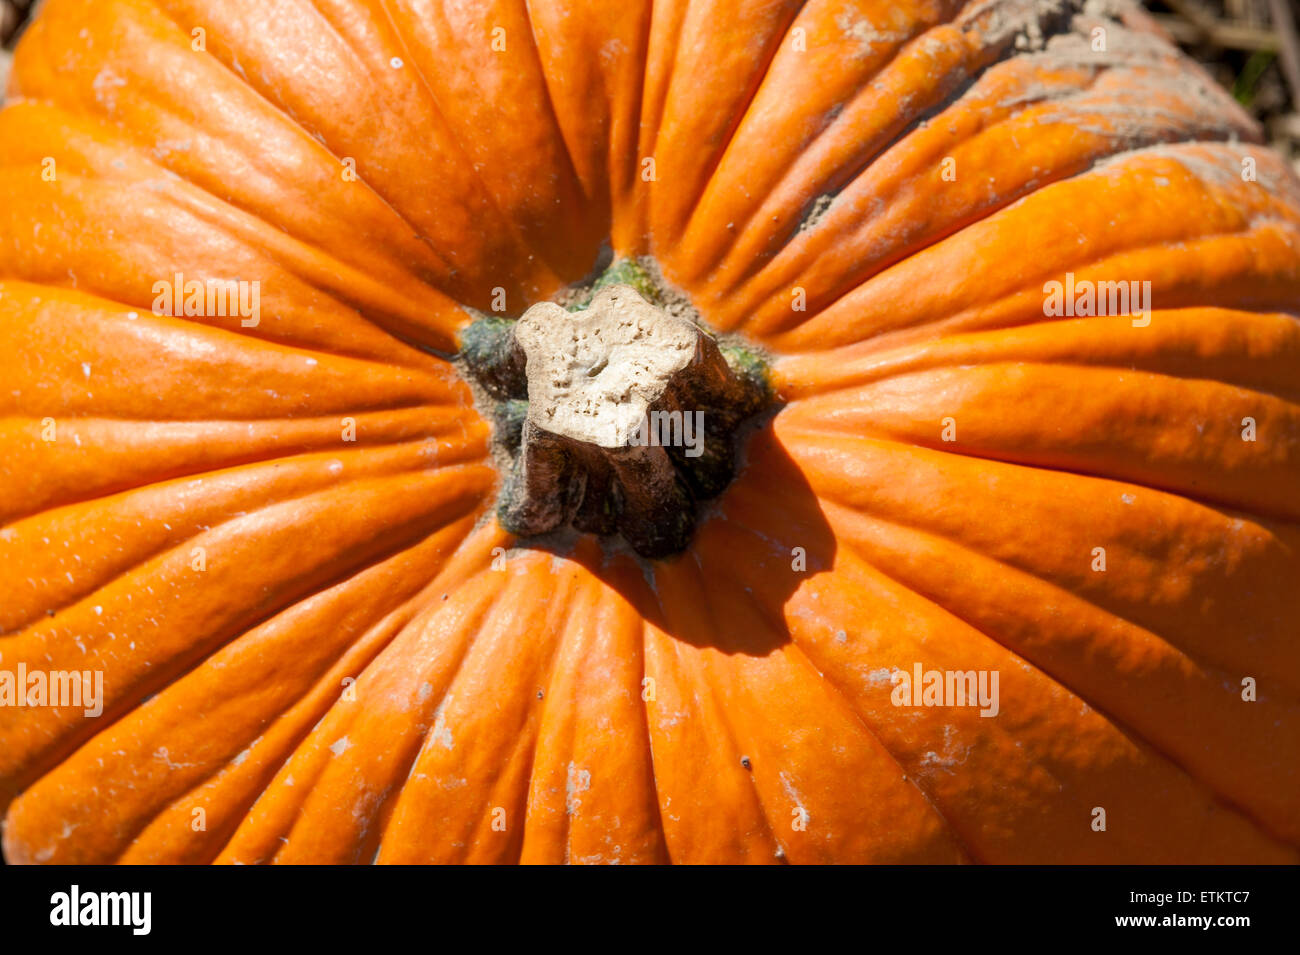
{"x": 622, "y": 272}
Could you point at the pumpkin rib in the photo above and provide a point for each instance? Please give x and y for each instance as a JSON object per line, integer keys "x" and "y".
{"x": 739, "y": 679}
{"x": 967, "y": 849}
{"x": 962, "y": 321}
{"x": 630, "y": 228}
{"x": 1164, "y": 748}
{"x": 964, "y": 839}
{"x": 113, "y": 513}
{"x": 596, "y": 100}
{"x": 182, "y": 173}
{"x": 271, "y": 249}
{"x": 778, "y": 622}
{"x": 546, "y": 678}
{"x": 1242, "y": 352}
{"x": 666, "y": 660}
{"x": 1018, "y": 652}
{"x": 427, "y": 736}
{"x": 516, "y": 234}
{"x": 1132, "y": 56}
{"x": 1148, "y": 446}
{"x": 536, "y": 47}
{"x": 369, "y": 641}
{"x": 387, "y": 201}
{"x": 698, "y": 579}
{"x": 52, "y": 745}
{"x": 206, "y": 356}
{"x": 493, "y": 766}
{"x": 87, "y": 480}
{"x": 719, "y": 152}
{"x": 591, "y": 780}
{"x": 1155, "y": 761}
{"x": 462, "y": 578}
{"x": 128, "y": 500}
{"x": 808, "y": 145}
{"x": 1200, "y": 546}
{"x": 1029, "y": 219}
{"x": 267, "y": 812}
{"x": 768, "y": 22}
{"x": 544, "y": 231}
{"x": 1282, "y": 394}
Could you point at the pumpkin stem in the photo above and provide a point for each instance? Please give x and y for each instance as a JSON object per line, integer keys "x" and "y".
{"x": 630, "y": 418}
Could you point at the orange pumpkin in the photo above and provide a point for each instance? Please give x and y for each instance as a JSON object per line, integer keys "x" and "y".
{"x": 269, "y": 523}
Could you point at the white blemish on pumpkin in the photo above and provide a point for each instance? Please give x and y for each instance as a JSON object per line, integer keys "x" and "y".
{"x": 335, "y": 467}
{"x": 441, "y": 733}
{"x": 788, "y": 785}
{"x": 104, "y": 84}
{"x": 395, "y": 62}
{"x": 426, "y": 689}
{"x": 340, "y": 746}
{"x": 578, "y": 781}
{"x": 162, "y": 754}
{"x": 866, "y": 35}
{"x": 950, "y": 756}
{"x": 1127, "y": 498}
{"x": 85, "y": 368}
{"x": 240, "y": 758}
{"x": 882, "y": 676}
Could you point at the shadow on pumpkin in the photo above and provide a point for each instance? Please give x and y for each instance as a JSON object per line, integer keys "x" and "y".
{"x": 755, "y": 545}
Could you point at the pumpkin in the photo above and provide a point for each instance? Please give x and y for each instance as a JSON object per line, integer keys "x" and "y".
{"x": 992, "y": 565}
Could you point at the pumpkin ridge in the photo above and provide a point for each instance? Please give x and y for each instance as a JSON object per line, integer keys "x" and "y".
{"x": 1042, "y": 24}
{"x": 809, "y": 145}
{"x": 63, "y": 737}
{"x": 833, "y": 687}
{"x": 191, "y": 454}
{"x": 777, "y": 621}
{"x": 737, "y": 119}
{"x": 1168, "y": 472}
{"x": 504, "y": 220}
{"x": 266, "y": 821}
{"x": 534, "y": 44}
{"x": 691, "y": 674}
{"x": 1208, "y": 193}
{"x": 145, "y": 558}
{"x": 508, "y": 222}
{"x": 1291, "y": 693}
{"x": 1192, "y": 129}
{"x": 1153, "y": 757}
{"x": 1162, "y": 750}
{"x": 474, "y": 664}
{"x": 324, "y": 689}
{"x": 1056, "y": 343}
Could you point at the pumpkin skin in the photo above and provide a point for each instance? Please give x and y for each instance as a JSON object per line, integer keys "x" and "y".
{"x": 496, "y": 682}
